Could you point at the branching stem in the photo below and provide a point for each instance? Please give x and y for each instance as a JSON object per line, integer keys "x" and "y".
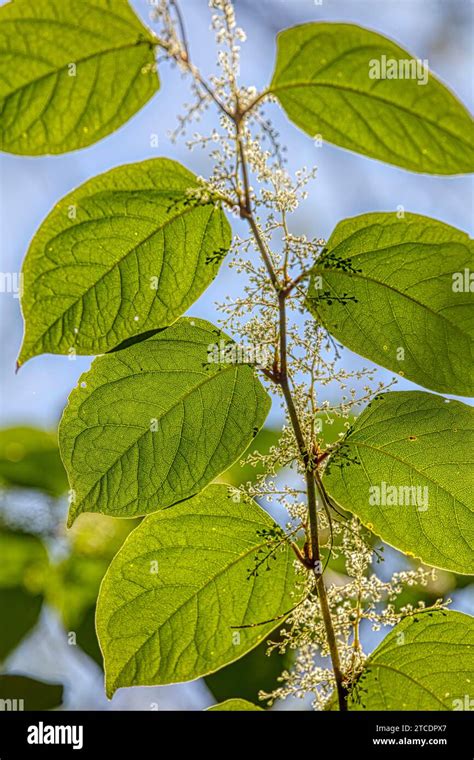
{"x": 312, "y": 476}
{"x": 312, "y": 556}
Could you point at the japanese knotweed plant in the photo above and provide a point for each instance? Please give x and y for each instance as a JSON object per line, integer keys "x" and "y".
{"x": 173, "y": 401}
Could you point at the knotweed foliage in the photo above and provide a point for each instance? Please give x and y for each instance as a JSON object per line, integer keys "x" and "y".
{"x": 171, "y": 402}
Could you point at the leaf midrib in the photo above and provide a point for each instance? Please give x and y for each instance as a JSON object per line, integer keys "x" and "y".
{"x": 210, "y": 580}
{"x": 83, "y": 59}
{"x": 115, "y": 264}
{"x": 207, "y": 379}
{"x": 362, "y": 94}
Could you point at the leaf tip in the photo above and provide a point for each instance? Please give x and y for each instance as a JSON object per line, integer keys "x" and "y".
{"x": 110, "y": 688}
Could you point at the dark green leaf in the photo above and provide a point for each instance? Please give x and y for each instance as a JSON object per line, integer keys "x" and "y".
{"x": 23, "y": 564}
{"x": 29, "y": 693}
{"x": 30, "y": 458}
{"x": 19, "y": 613}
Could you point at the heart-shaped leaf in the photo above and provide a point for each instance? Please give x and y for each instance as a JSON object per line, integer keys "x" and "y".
{"x": 156, "y": 422}
{"x": 358, "y": 89}
{"x": 173, "y": 598}
{"x": 405, "y": 469}
{"x": 71, "y": 72}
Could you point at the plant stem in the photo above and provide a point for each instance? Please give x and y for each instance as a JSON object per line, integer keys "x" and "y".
{"x": 311, "y": 475}
{"x": 279, "y": 375}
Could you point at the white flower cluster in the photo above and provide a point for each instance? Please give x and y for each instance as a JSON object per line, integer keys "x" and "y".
{"x": 356, "y": 596}
{"x": 249, "y": 172}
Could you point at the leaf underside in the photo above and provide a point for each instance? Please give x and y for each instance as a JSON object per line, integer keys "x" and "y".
{"x": 405, "y": 469}
{"x": 425, "y": 663}
{"x": 134, "y": 256}
{"x": 155, "y": 423}
{"x": 322, "y": 80}
{"x": 173, "y": 597}
{"x": 386, "y": 288}
{"x": 71, "y": 72}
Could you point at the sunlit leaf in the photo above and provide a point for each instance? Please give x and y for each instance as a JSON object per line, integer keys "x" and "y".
{"x": 394, "y": 291}
{"x": 405, "y": 469}
{"x": 126, "y": 253}
{"x": 71, "y": 72}
{"x": 330, "y": 80}
{"x": 425, "y": 663}
{"x": 234, "y": 705}
{"x": 173, "y": 598}
{"x": 181, "y": 420}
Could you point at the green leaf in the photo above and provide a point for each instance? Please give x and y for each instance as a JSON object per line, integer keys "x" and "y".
{"x": 73, "y": 584}
{"x": 24, "y": 560}
{"x": 23, "y": 565}
{"x": 36, "y": 695}
{"x": 184, "y": 579}
{"x": 86, "y": 636}
{"x": 136, "y": 254}
{"x": 425, "y": 663}
{"x": 71, "y": 72}
{"x": 238, "y": 474}
{"x": 254, "y": 672}
{"x": 405, "y": 469}
{"x": 19, "y": 613}
{"x": 323, "y": 80}
{"x": 156, "y": 422}
{"x": 30, "y": 458}
{"x": 234, "y": 705}
{"x": 389, "y": 289}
